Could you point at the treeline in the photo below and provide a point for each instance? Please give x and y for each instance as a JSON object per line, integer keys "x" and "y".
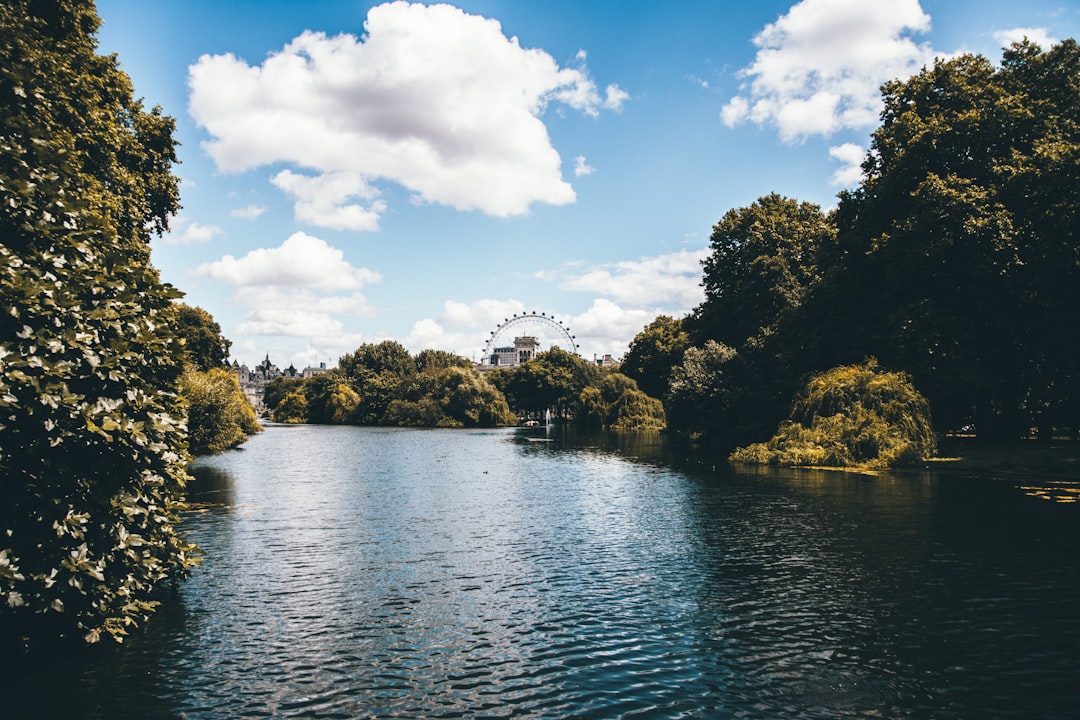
{"x": 955, "y": 262}
{"x": 383, "y": 384}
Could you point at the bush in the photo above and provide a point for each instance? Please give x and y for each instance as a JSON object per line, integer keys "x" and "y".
{"x": 219, "y": 414}
{"x": 851, "y": 416}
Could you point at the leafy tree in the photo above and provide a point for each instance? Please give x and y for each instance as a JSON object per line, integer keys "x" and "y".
{"x": 958, "y": 255}
{"x": 592, "y": 410}
{"x": 852, "y": 415}
{"x": 654, "y": 352}
{"x": 703, "y": 400}
{"x": 204, "y": 345}
{"x": 613, "y": 384}
{"x": 552, "y": 380}
{"x": 277, "y": 389}
{"x": 762, "y": 263}
{"x": 634, "y": 410}
{"x": 431, "y": 361}
{"x": 293, "y": 408}
{"x": 92, "y": 460}
{"x": 219, "y": 414}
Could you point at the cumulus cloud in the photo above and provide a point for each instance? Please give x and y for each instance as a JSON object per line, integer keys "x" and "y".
{"x": 321, "y": 200}
{"x": 818, "y": 68}
{"x": 1039, "y": 36}
{"x": 607, "y": 328}
{"x": 302, "y": 288}
{"x": 671, "y": 280}
{"x": 301, "y": 261}
{"x": 432, "y": 98}
{"x": 183, "y": 231}
{"x": 248, "y": 212}
{"x": 850, "y": 157}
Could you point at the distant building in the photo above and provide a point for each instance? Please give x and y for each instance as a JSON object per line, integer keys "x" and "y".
{"x": 524, "y": 348}
{"x": 313, "y": 371}
{"x": 253, "y": 381}
{"x": 606, "y": 361}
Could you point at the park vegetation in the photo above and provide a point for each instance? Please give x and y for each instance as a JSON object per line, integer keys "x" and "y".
{"x": 936, "y": 294}
{"x": 955, "y": 263}
{"x": 383, "y": 384}
{"x": 92, "y": 438}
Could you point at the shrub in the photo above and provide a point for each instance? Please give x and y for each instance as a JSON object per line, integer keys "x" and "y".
{"x": 851, "y": 415}
{"x": 219, "y": 414}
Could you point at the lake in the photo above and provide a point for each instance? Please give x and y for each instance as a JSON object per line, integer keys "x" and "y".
{"x": 381, "y": 573}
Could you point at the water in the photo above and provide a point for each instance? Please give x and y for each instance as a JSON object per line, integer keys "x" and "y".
{"x": 356, "y": 573}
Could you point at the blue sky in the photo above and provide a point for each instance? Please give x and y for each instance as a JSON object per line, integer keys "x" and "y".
{"x": 354, "y": 172}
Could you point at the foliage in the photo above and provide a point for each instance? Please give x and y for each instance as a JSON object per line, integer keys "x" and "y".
{"x": 852, "y": 415}
{"x": 704, "y": 394}
{"x": 762, "y": 263}
{"x": 92, "y": 465}
{"x": 654, "y": 352}
{"x": 553, "y": 380}
{"x": 219, "y": 414}
{"x": 204, "y": 345}
{"x": 275, "y": 391}
{"x": 293, "y": 408}
{"x": 383, "y": 385}
{"x": 958, "y": 255}
{"x": 634, "y": 410}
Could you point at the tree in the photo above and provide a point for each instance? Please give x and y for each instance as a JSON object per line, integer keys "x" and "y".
{"x": 762, "y": 263}
{"x": 654, "y": 352}
{"x": 92, "y": 460}
{"x": 634, "y": 410}
{"x": 852, "y": 415}
{"x": 701, "y": 401}
{"x": 204, "y": 345}
{"x": 552, "y": 380}
{"x": 293, "y": 408}
{"x": 958, "y": 256}
{"x": 219, "y": 414}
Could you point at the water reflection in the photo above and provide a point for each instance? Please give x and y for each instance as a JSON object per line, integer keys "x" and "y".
{"x": 394, "y": 573}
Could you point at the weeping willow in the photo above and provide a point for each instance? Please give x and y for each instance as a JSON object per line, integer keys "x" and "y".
{"x": 854, "y": 415}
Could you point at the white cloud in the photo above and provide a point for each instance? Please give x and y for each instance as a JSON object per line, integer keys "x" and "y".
{"x": 581, "y": 167}
{"x": 485, "y": 313}
{"x": 1039, "y": 36}
{"x": 301, "y": 261}
{"x": 249, "y": 212}
{"x": 608, "y": 328}
{"x": 437, "y": 100}
{"x": 819, "y": 68}
{"x": 672, "y": 280}
{"x": 185, "y": 232}
{"x": 321, "y": 200}
{"x": 851, "y": 157}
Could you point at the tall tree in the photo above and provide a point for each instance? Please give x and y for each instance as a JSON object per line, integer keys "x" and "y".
{"x": 204, "y": 345}
{"x": 654, "y": 352}
{"x": 92, "y": 466}
{"x": 762, "y": 263}
{"x": 958, "y": 256}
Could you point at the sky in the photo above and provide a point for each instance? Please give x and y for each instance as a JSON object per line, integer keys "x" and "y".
{"x": 353, "y": 172}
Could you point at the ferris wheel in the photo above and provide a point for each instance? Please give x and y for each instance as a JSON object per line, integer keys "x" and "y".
{"x": 542, "y": 326}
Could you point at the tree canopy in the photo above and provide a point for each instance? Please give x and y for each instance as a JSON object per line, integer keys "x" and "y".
{"x": 956, "y": 260}
{"x": 92, "y": 466}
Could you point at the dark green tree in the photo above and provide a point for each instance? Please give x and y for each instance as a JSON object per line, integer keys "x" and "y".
{"x": 958, "y": 255}
{"x": 763, "y": 261}
{"x": 92, "y": 460}
{"x": 204, "y": 345}
{"x": 654, "y": 352}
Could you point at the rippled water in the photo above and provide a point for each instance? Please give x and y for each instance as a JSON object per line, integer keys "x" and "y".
{"x": 355, "y": 573}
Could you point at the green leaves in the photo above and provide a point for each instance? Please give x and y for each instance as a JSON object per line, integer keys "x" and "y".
{"x": 92, "y": 459}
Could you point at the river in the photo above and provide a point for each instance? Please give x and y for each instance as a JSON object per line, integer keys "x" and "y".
{"x": 381, "y": 573}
